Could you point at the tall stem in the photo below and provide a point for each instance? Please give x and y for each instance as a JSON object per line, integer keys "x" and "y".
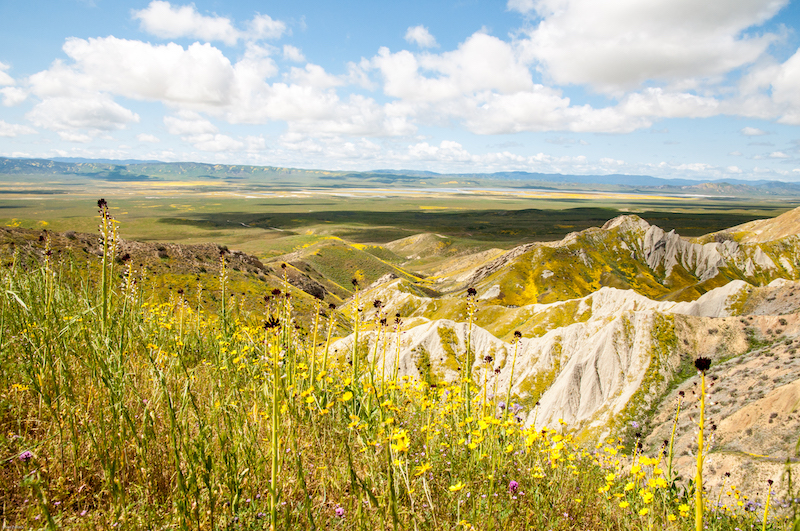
{"x": 698, "y": 482}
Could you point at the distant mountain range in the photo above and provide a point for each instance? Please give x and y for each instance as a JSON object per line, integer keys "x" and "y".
{"x": 137, "y": 170}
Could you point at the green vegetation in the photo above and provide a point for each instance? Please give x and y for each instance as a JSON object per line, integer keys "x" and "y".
{"x": 124, "y": 406}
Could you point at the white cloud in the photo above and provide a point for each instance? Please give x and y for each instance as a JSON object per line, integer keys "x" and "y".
{"x": 292, "y": 53}
{"x": 188, "y": 123}
{"x": 163, "y": 20}
{"x": 12, "y": 130}
{"x": 13, "y": 96}
{"x": 159, "y": 18}
{"x": 201, "y": 79}
{"x": 655, "y": 102}
{"x": 71, "y": 136}
{"x": 481, "y": 63}
{"x": 619, "y": 44}
{"x": 314, "y": 76}
{"x": 95, "y": 114}
{"x": 733, "y": 169}
{"x": 265, "y": 27}
{"x": 420, "y": 36}
{"x": 215, "y": 142}
{"x": 145, "y": 137}
{"x": 5, "y": 79}
{"x": 778, "y": 155}
{"x": 786, "y": 89}
{"x": 522, "y": 6}
{"x": 752, "y": 131}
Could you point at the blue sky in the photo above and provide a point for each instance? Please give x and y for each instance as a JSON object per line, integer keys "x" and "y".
{"x": 671, "y": 88}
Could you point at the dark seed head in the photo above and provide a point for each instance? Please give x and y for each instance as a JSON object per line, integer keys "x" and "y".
{"x": 702, "y": 364}
{"x": 471, "y": 292}
{"x": 101, "y": 203}
{"x": 517, "y": 334}
{"x": 354, "y": 282}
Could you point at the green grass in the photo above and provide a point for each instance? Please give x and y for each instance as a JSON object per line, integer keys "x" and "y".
{"x": 166, "y": 414}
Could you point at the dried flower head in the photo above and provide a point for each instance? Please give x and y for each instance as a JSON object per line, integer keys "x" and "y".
{"x": 471, "y": 292}
{"x": 101, "y": 203}
{"x": 702, "y": 364}
{"x": 271, "y": 322}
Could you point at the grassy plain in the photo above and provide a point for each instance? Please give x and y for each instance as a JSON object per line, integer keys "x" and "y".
{"x": 269, "y": 218}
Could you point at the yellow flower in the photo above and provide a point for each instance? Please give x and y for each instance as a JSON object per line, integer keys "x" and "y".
{"x": 509, "y": 448}
{"x": 610, "y": 477}
{"x": 457, "y": 487}
{"x": 421, "y": 469}
{"x": 672, "y": 518}
{"x": 629, "y": 486}
{"x": 643, "y": 512}
{"x": 683, "y": 508}
{"x": 623, "y": 504}
{"x": 346, "y": 397}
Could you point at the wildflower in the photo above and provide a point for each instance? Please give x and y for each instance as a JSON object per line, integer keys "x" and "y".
{"x": 643, "y": 512}
{"x": 340, "y": 511}
{"x": 27, "y": 455}
{"x": 513, "y": 486}
{"x": 457, "y": 487}
{"x": 346, "y": 397}
{"x": 623, "y": 504}
{"x": 421, "y": 469}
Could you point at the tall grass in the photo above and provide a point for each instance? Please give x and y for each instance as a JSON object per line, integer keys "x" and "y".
{"x": 120, "y": 409}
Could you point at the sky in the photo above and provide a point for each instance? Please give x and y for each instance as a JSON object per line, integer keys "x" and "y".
{"x": 668, "y": 88}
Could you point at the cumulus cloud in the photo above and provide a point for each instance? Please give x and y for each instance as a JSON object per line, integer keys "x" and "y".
{"x": 200, "y": 78}
{"x": 420, "y": 36}
{"x": 521, "y": 6}
{"x": 481, "y": 63}
{"x": 13, "y": 130}
{"x": 188, "y": 123}
{"x": 13, "y": 96}
{"x": 614, "y": 45}
{"x": 785, "y": 89}
{"x": 96, "y": 114}
{"x": 166, "y": 21}
{"x": 163, "y": 20}
{"x": 265, "y": 27}
{"x": 752, "y": 131}
{"x": 5, "y": 79}
{"x": 292, "y": 53}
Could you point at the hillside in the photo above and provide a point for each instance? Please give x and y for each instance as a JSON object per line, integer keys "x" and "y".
{"x": 611, "y": 320}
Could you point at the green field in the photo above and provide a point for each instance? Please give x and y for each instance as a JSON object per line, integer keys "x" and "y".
{"x": 243, "y": 215}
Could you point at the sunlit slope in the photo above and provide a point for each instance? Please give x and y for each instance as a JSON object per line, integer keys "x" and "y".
{"x": 334, "y": 263}
{"x": 610, "y": 364}
{"x": 629, "y": 253}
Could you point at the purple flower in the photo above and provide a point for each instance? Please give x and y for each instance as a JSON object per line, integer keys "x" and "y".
{"x": 340, "y": 511}
{"x": 513, "y": 486}
{"x": 26, "y": 456}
